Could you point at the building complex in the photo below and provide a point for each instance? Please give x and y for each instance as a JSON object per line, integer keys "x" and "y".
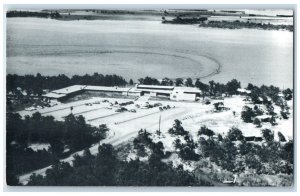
{"x": 169, "y": 92}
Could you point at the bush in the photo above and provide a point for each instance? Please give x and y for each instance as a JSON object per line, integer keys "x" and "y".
{"x": 288, "y": 94}
{"x": 187, "y": 153}
{"x": 205, "y": 131}
{"x": 177, "y": 129}
{"x": 281, "y": 137}
{"x": 247, "y": 114}
{"x": 257, "y": 122}
{"x": 235, "y": 134}
{"x": 232, "y": 86}
{"x": 284, "y": 115}
{"x": 268, "y": 135}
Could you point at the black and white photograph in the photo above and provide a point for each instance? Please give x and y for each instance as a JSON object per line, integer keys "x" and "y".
{"x": 149, "y": 96}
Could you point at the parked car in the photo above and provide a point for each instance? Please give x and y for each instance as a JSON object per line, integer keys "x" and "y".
{"x": 168, "y": 107}
{"x": 96, "y": 102}
{"x": 118, "y": 110}
{"x": 105, "y": 101}
{"x": 132, "y": 110}
{"x": 30, "y": 109}
{"x": 161, "y": 109}
{"x": 52, "y": 104}
{"x": 157, "y": 104}
{"x": 121, "y": 110}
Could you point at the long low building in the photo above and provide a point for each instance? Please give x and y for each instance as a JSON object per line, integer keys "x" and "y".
{"x": 68, "y": 92}
{"x": 64, "y": 93}
{"x": 170, "y": 92}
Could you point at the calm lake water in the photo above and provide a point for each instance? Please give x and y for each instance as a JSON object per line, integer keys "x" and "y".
{"x": 135, "y": 49}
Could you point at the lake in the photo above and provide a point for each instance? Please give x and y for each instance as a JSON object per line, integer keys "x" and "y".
{"x": 139, "y": 48}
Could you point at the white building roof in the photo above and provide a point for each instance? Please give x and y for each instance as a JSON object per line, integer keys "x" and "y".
{"x": 157, "y": 87}
{"x": 263, "y": 116}
{"x": 134, "y": 90}
{"x": 107, "y": 88}
{"x": 69, "y": 89}
{"x": 152, "y": 88}
{"x": 242, "y": 90}
{"x": 54, "y": 95}
{"x": 187, "y": 89}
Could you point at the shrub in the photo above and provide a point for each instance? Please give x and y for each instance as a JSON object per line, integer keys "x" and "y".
{"x": 268, "y": 135}
{"x": 205, "y": 131}
{"x": 177, "y": 129}
{"x": 235, "y": 134}
{"x": 247, "y": 114}
{"x": 257, "y": 122}
{"x": 281, "y": 137}
{"x": 187, "y": 153}
{"x": 284, "y": 115}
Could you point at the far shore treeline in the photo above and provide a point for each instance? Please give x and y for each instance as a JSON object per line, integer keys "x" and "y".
{"x": 54, "y": 14}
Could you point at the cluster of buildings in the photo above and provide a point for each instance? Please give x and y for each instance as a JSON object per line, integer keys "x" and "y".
{"x": 169, "y": 92}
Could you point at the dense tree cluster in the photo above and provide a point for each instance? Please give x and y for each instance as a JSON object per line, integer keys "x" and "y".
{"x": 206, "y": 131}
{"x": 212, "y": 89}
{"x": 260, "y": 95}
{"x": 144, "y": 140}
{"x": 73, "y": 134}
{"x": 234, "y": 134}
{"x": 202, "y": 86}
{"x": 105, "y": 169}
{"x": 247, "y": 114}
{"x": 288, "y": 94}
{"x": 177, "y": 128}
{"x": 186, "y": 150}
{"x": 167, "y": 82}
{"x": 217, "y": 89}
{"x": 267, "y": 95}
{"x": 250, "y": 25}
{"x": 33, "y": 14}
{"x": 36, "y": 84}
{"x": 149, "y": 81}
{"x": 235, "y": 154}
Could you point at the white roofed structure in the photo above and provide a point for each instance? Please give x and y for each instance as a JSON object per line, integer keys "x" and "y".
{"x": 171, "y": 92}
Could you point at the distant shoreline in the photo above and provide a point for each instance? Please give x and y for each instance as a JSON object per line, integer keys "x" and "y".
{"x": 191, "y": 17}
{"x": 223, "y": 24}
{"x": 248, "y": 25}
